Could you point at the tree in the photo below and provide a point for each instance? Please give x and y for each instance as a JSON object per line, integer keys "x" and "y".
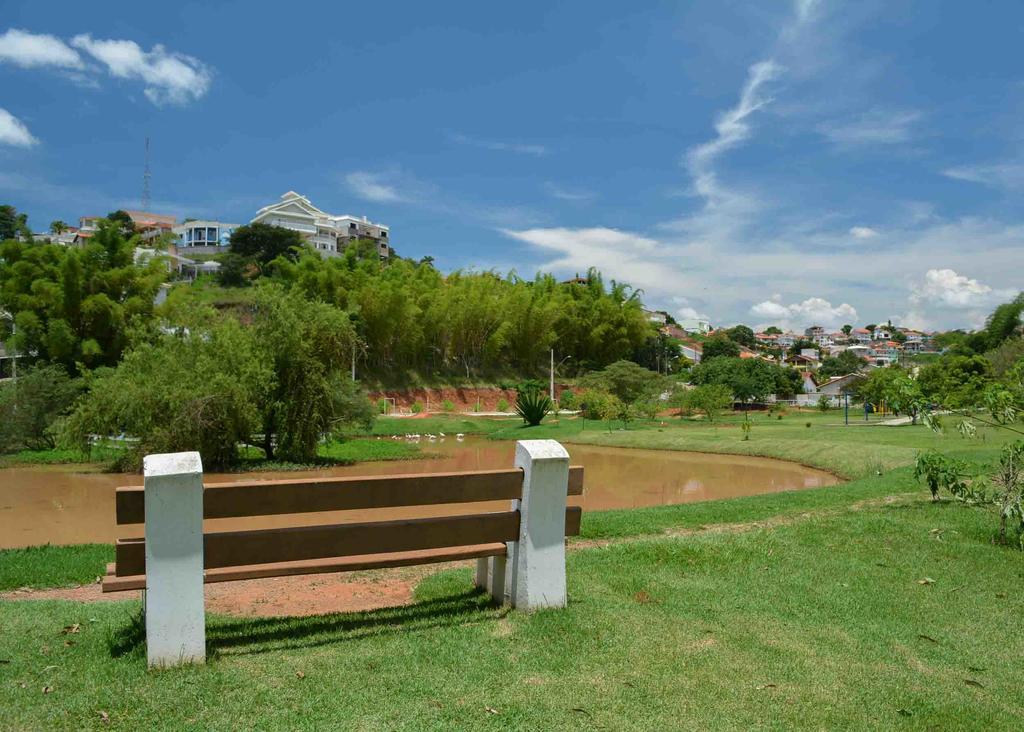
{"x": 847, "y": 329}
{"x": 720, "y": 345}
{"x": 199, "y": 391}
{"x": 748, "y": 379}
{"x": 77, "y": 305}
{"x": 845, "y": 363}
{"x": 123, "y": 221}
{"x": 13, "y": 224}
{"x": 264, "y": 243}
{"x": 626, "y": 380}
{"x": 956, "y": 381}
{"x": 1004, "y": 322}
{"x": 871, "y": 328}
{"x": 773, "y": 330}
{"x": 708, "y": 399}
{"x": 234, "y": 270}
{"x": 306, "y": 345}
{"x": 32, "y": 404}
{"x": 800, "y": 345}
{"x": 743, "y": 335}
{"x": 58, "y": 227}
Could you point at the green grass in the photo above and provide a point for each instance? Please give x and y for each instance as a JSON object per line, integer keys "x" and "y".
{"x": 821, "y": 623}
{"x": 53, "y": 566}
{"x": 58, "y": 456}
{"x": 849, "y": 452}
{"x": 450, "y": 424}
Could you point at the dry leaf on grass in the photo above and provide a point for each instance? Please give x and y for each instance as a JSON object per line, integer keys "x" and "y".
{"x": 491, "y": 710}
{"x": 300, "y": 674}
{"x": 104, "y": 717}
{"x": 73, "y": 628}
{"x": 972, "y": 682}
{"x": 926, "y": 581}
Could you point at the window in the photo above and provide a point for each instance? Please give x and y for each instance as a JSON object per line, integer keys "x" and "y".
{"x": 211, "y": 235}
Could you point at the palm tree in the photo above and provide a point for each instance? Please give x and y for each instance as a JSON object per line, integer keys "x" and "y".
{"x": 58, "y": 227}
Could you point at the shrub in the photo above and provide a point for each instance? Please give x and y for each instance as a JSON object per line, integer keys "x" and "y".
{"x": 533, "y": 406}
{"x": 1008, "y": 479}
{"x": 382, "y": 406}
{"x": 417, "y": 407}
{"x": 710, "y": 399}
{"x": 447, "y": 405}
{"x": 807, "y": 425}
{"x": 745, "y": 427}
{"x": 940, "y": 472}
{"x": 502, "y": 405}
{"x": 779, "y": 418}
{"x": 567, "y": 400}
{"x": 31, "y": 406}
{"x": 824, "y": 403}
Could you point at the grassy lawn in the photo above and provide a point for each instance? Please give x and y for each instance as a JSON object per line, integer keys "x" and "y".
{"x": 824, "y": 622}
{"x": 450, "y": 424}
{"x": 862, "y": 605}
{"x": 815, "y": 439}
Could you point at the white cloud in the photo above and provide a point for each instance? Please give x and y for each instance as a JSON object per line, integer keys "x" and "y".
{"x": 372, "y": 187}
{"x": 13, "y": 131}
{"x": 862, "y": 232}
{"x": 998, "y": 175}
{"x": 30, "y": 50}
{"x": 812, "y": 311}
{"x": 731, "y": 129}
{"x": 875, "y": 127}
{"x": 171, "y": 78}
{"x": 629, "y": 257}
{"x": 947, "y": 288}
{"x": 499, "y": 145}
{"x": 686, "y": 311}
{"x": 568, "y": 194}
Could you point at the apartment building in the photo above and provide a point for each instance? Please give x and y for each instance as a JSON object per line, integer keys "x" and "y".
{"x": 327, "y": 233}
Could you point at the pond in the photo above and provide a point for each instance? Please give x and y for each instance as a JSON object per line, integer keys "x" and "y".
{"x": 58, "y": 505}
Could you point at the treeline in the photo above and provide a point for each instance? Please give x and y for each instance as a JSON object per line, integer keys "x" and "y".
{"x": 408, "y": 315}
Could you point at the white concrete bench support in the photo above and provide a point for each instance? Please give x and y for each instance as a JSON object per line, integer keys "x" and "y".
{"x": 175, "y": 620}
{"x": 537, "y": 575}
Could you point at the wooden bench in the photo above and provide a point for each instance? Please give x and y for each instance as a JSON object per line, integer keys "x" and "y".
{"x": 520, "y": 551}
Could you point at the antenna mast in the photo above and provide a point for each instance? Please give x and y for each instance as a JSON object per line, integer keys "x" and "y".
{"x": 145, "y": 180}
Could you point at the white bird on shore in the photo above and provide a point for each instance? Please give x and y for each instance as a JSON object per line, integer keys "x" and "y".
{"x": 440, "y": 434}
{"x": 460, "y": 437}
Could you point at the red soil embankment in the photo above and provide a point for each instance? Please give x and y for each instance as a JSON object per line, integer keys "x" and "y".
{"x": 464, "y": 399}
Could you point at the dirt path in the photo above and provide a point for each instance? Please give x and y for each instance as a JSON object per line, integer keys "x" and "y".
{"x": 320, "y": 594}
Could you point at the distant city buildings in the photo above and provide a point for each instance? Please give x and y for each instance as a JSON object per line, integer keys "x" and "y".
{"x": 327, "y": 233}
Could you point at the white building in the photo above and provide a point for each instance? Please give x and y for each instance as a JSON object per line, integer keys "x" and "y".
{"x": 695, "y": 325}
{"x": 203, "y": 237}
{"x": 327, "y": 233}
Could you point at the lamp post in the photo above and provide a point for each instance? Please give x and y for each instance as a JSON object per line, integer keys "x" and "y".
{"x": 551, "y": 385}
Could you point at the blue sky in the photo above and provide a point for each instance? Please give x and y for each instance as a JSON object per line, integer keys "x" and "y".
{"x": 766, "y": 162}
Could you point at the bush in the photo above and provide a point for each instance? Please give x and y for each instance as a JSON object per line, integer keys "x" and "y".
{"x": 709, "y": 399}
{"x": 447, "y": 405}
{"x": 32, "y": 405}
{"x": 940, "y": 472}
{"x": 824, "y": 403}
{"x": 807, "y": 425}
{"x": 567, "y": 400}
{"x": 178, "y": 394}
{"x": 533, "y": 406}
{"x": 502, "y": 405}
{"x": 417, "y": 407}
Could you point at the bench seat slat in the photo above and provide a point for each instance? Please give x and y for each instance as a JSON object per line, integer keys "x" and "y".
{"x": 114, "y": 583}
{"x": 275, "y": 497}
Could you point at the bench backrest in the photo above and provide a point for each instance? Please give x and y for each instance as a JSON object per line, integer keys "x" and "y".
{"x": 276, "y": 497}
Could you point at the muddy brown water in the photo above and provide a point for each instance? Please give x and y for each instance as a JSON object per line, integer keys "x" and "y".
{"x": 60, "y": 505}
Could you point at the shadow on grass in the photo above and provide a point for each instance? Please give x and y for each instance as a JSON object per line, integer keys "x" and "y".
{"x": 244, "y": 636}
